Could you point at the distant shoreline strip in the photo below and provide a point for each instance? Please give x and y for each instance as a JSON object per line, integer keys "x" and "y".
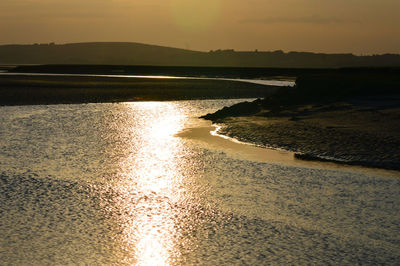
{"x": 279, "y": 83}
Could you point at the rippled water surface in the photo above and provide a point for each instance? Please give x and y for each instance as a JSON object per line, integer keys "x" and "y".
{"x": 114, "y": 184}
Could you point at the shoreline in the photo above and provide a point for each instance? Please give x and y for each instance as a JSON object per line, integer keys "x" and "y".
{"x": 278, "y": 82}
{"x": 205, "y": 135}
{"x": 351, "y": 118}
{"x": 304, "y": 157}
{"x": 362, "y": 130}
{"x": 314, "y": 139}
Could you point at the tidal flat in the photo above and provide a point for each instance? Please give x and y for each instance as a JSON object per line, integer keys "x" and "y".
{"x": 121, "y": 183}
{"x": 344, "y": 133}
{"x": 346, "y": 118}
{"x": 57, "y": 89}
{"x": 147, "y": 183}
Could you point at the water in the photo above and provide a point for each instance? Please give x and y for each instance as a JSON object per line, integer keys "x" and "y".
{"x": 115, "y": 184}
{"x": 255, "y": 81}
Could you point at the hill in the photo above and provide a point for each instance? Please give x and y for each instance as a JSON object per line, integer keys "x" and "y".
{"x": 119, "y": 53}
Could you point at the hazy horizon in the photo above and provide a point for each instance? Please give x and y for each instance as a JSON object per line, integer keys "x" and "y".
{"x": 203, "y": 51}
{"x": 358, "y": 27}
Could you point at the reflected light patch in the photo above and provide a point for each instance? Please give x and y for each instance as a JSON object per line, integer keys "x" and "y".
{"x": 194, "y": 15}
{"x": 149, "y": 229}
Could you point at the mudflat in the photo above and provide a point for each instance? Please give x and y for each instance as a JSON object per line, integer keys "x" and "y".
{"x": 36, "y": 89}
{"x": 364, "y": 131}
{"x": 347, "y": 117}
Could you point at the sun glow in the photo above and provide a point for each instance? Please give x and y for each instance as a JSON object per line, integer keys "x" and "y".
{"x": 194, "y": 16}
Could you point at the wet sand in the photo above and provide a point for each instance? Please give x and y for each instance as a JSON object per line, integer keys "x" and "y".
{"x": 362, "y": 132}
{"x": 208, "y": 135}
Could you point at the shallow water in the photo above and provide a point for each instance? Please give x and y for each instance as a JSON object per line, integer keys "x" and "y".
{"x": 273, "y": 82}
{"x": 116, "y": 184}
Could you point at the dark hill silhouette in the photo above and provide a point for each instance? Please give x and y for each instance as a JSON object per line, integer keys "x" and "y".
{"x": 93, "y": 53}
{"x": 119, "y": 53}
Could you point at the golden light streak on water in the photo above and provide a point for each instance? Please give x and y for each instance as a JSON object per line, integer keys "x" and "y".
{"x": 150, "y": 230}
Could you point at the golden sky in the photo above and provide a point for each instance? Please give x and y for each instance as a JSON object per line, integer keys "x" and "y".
{"x": 357, "y": 26}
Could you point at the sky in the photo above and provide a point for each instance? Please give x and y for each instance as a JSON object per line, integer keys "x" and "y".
{"x": 329, "y": 26}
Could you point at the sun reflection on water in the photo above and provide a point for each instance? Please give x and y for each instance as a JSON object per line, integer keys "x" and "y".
{"x": 154, "y": 176}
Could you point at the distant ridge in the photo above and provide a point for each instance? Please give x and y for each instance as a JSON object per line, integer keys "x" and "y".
{"x": 125, "y": 53}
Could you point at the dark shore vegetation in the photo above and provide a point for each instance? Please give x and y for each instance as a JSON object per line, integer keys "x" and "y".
{"x": 324, "y": 88}
{"x": 352, "y": 118}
